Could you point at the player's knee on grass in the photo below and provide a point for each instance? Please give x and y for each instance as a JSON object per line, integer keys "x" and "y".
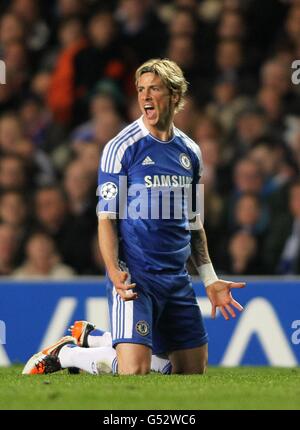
{"x": 200, "y": 369}
{"x": 133, "y": 359}
{"x": 202, "y": 366}
{"x": 189, "y": 361}
{"x": 134, "y": 369}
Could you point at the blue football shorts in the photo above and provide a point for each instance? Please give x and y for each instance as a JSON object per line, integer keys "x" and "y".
{"x": 165, "y": 316}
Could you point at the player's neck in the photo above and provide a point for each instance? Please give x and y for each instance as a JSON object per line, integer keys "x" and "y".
{"x": 163, "y": 132}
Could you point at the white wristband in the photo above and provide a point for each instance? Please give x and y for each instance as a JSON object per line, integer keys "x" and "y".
{"x": 207, "y": 274}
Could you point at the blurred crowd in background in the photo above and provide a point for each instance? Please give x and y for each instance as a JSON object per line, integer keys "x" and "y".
{"x": 70, "y": 88}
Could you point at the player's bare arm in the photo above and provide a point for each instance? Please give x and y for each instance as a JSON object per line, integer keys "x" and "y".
{"x": 107, "y": 231}
{"x": 200, "y": 252}
{"x": 217, "y": 290}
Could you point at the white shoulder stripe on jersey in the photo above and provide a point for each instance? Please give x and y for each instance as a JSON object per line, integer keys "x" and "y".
{"x": 190, "y": 143}
{"x": 116, "y": 146}
{"x": 113, "y": 143}
{"x": 115, "y": 149}
{"x": 131, "y": 140}
{"x": 110, "y": 143}
{"x": 193, "y": 146}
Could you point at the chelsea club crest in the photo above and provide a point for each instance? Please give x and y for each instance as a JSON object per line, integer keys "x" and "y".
{"x": 142, "y": 327}
{"x": 185, "y": 161}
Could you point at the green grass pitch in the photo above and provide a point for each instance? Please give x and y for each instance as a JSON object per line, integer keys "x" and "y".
{"x": 220, "y": 388}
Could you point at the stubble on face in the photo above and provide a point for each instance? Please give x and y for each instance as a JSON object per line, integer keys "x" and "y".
{"x": 156, "y": 102}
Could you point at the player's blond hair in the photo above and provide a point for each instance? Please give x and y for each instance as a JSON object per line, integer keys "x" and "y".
{"x": 170, "y": 73}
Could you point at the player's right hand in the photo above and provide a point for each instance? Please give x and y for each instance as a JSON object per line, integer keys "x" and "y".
{"x": 123, "y": 288}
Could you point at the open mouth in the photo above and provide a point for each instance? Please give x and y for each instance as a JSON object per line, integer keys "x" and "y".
{"x": 149, "y": 111}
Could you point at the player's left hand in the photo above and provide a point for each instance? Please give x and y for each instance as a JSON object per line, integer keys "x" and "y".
{"x": 220, "y": 296}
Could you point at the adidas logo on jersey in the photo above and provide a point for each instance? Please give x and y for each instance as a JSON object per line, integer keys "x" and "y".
{"x": 148, "y": 161}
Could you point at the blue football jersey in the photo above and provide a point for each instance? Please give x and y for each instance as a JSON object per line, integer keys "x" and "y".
{"x": 147, "y": 183}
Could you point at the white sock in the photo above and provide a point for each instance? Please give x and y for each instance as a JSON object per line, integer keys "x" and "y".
{"x": 99, "y": 338}
{"x": 92, "y": 360}
{"x": 161, "y": 365}
{"x": 103, "y": 360}
{"x": 95, "y": 341}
